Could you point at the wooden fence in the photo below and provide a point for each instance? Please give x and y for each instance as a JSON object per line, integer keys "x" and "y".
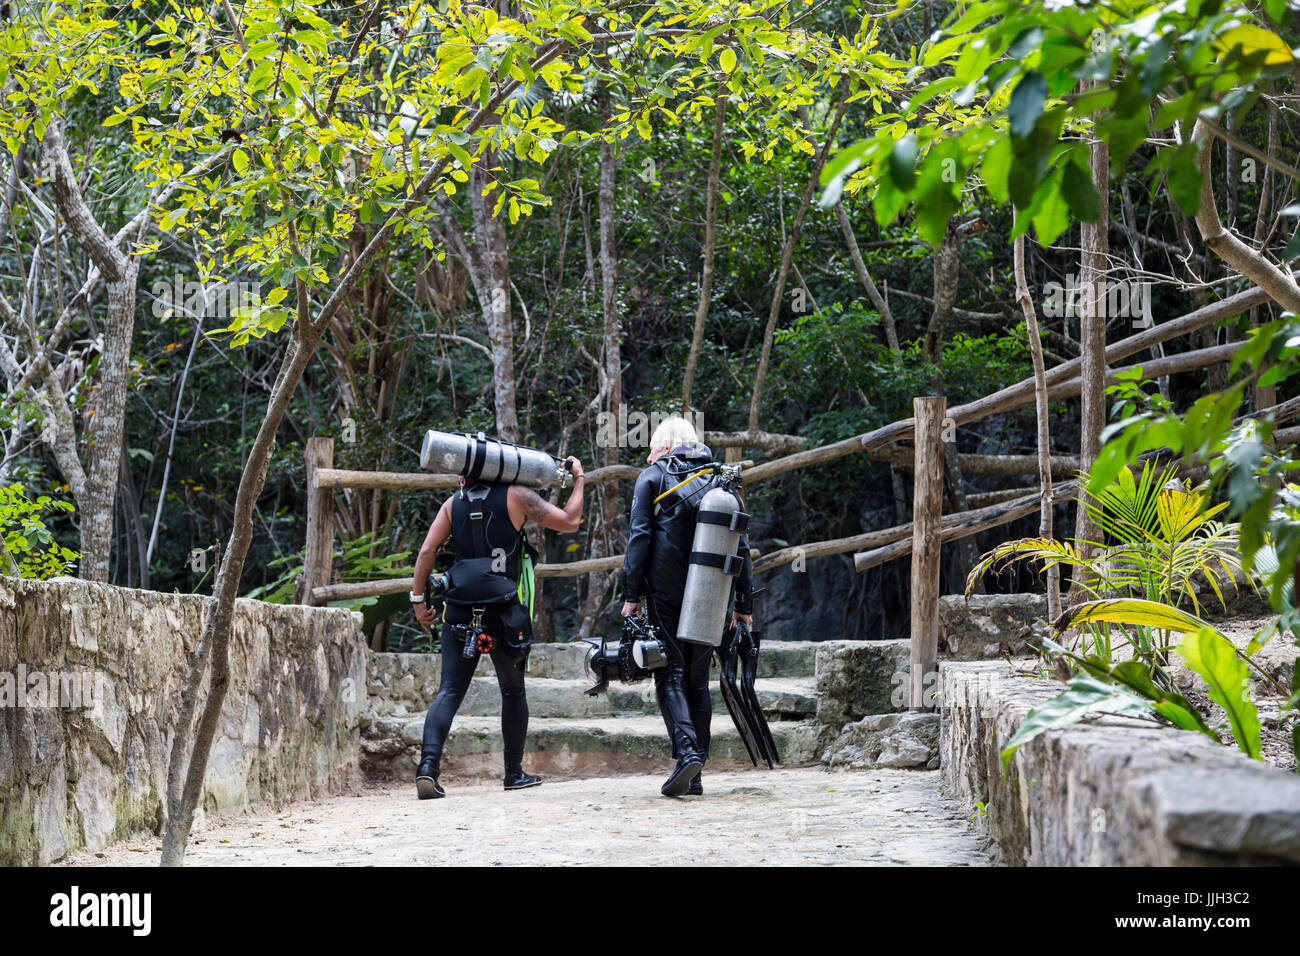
{"x": 922, "y": 537}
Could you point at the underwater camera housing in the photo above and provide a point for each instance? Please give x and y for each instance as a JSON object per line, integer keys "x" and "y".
{"x": 639, "y": 652}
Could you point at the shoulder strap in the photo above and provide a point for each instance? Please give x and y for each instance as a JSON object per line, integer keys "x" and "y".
{"x": 469, "y": 520}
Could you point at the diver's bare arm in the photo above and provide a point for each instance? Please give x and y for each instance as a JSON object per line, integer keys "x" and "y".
{"x": 536, "y": 508}
{"x": 439, "y": 532}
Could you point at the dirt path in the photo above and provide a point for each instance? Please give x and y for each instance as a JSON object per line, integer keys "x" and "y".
{"x": 791, "y": 817}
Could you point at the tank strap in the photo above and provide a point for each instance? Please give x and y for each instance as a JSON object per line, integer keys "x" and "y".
{"x": 727, "y": 563}
{"x": 731, "y": 520}
{"x": 477, "y": 455}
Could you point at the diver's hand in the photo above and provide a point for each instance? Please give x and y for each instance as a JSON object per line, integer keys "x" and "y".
{"x": 575, "y": 468}
{"x": 425, "y": 615}
{"x": 631, "y": 608}
{"x": 737, "y": 618}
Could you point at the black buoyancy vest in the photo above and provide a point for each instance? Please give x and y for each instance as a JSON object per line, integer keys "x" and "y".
{"x": 488, "y": 546}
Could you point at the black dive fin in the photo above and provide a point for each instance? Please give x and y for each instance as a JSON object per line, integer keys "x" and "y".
{"x": 728, "y": 659}
{"x": 748, "y": 646}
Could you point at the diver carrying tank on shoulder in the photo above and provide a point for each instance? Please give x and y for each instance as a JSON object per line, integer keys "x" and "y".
{"x": 487, "y": 591}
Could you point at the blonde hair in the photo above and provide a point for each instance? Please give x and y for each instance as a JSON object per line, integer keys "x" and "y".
{"x": 671, "y": 432}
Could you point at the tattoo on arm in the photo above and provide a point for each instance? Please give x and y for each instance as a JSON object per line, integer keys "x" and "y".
{"x": 534, "y": 506}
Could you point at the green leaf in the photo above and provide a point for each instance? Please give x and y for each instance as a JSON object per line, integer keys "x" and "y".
{"x": 1213, "y": 657}
{"x": 727, "y": 59}
{"x": 1185, "y": 179}
{"x": 1086, "y": 696}
{"x": 902, "y": 162}
{"x": 1256, "y": 42}
{"x": 1133, "y": 611}
{"x": 1292, "y": 248}
{"x": 1027, "y": 101}
{"x": 1080, "y": 192}
{"x": 1051, "y": 215}
{"x": 996, "y": 167}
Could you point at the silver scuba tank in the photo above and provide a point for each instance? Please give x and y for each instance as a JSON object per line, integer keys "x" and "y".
{"x": 479, "y": 458}
{"x": 713, "y": 563}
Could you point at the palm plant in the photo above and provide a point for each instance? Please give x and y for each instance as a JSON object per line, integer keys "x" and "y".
{"x": 1163, "y": 539}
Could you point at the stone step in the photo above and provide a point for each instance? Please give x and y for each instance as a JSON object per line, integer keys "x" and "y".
{"x": 787, "y": 658}
{"x": 780, "y": 698}
{"x": 776, "y": 659}
{"x": 562, "y": 746}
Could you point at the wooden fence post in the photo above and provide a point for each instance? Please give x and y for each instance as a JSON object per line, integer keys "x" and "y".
{"x": 318, "y": 553}
{"x": 927, "y": 508}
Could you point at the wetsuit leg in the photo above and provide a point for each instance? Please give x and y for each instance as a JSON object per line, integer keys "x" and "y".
{"x": 670, "y": 685}
{"x": 670, "y": 691}
{"x": 514, "y": 706}
{"x": 457, "y": 671}
{"x": 697, "y": 660}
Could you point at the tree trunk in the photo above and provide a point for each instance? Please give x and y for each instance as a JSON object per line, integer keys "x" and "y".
{"x": 864, "y": 276}
{"x": 492, "y": 284}
{"x": 119, "y": 271}
{"x": 787, "y": 256}
{"x": 1265, "y": 395}
{"x": 1044, "y": 437}
{"x": 946, "y": 270}
{"x": 186, "y": 767}
{"x": 710, "y": 243}
{"x": 610, "y": 499}
{"x": 1094, "y": 239}
{"x": 1254, "y": 265}
{"x": 110, "y": 422}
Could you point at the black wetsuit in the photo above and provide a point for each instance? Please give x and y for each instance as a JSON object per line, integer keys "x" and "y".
{"x": 506, "y": 621}
{"x": 658, "y": 553}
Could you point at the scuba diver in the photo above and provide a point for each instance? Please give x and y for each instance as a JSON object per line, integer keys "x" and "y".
{"x": 482, "y": 608}
{"x": 665, "y": 504}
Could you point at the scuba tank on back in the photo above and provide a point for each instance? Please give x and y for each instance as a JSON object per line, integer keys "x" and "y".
{"x": 714, "y": 560}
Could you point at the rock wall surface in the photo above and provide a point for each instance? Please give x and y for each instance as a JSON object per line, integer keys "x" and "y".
{"x": 90, "y": 677}
{"x": 1114, "y": 792}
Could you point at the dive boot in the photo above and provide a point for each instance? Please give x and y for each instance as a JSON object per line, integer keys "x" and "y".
{"x": 518, "y": 780}
{"x": 426, "y": 780}
{"x": 687, "y": 770}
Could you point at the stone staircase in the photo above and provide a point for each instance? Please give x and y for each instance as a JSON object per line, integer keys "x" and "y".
{"x": 570, "y": 733}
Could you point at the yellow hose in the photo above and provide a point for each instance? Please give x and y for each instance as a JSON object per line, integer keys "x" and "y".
{"x": 702, "y": 471}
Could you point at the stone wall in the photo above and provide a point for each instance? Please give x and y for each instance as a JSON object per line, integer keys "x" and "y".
{"x": 856, "y": 679}
{"x": 401, "y": 685}
{"x": 862, "y": 685}
{"x": 93, "y": 768}
{"x": 986, "y": 626}
{"x": 1114, "y": 792}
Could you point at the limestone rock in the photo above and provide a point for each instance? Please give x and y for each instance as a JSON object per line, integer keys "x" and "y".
{"x": 858, "y": 678}
{"x": 898, "y": 741}
{"x": 983, "y": 626}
